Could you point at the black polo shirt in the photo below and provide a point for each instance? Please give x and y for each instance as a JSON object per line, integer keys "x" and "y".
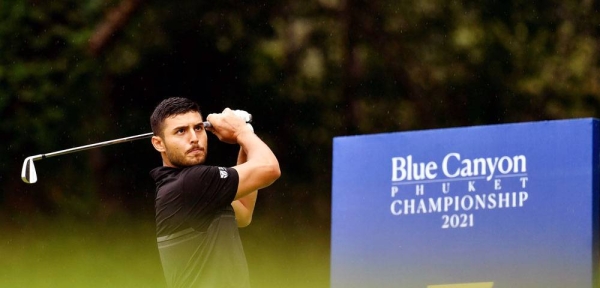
{"x": 198, "y": 238}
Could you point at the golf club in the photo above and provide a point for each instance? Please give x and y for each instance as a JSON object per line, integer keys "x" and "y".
{"x": 29, "y": 175}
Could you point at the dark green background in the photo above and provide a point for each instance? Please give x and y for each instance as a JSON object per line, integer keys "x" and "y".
{"x": 307, "y": 70}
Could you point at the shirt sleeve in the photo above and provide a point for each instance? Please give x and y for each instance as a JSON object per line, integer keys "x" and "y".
{"x": 209, "y": 189}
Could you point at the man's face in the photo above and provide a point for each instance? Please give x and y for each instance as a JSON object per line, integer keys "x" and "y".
{"x": 184, "y": 140}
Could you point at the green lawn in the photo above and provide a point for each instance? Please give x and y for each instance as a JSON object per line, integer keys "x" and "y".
{"x": 122, "y": 253}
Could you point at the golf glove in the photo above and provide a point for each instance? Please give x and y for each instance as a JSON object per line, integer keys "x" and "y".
{"x": 247, "y": 117}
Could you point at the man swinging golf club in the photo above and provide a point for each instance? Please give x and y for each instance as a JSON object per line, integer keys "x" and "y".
{"x": 199, "y": 208}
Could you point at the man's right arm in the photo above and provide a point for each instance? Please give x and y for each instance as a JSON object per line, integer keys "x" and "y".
{"x": 261, "y": 168}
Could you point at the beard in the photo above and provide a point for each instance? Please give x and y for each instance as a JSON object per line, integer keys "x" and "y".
{"x": 178, "y": 159}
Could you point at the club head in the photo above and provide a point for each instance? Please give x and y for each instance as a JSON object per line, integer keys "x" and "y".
{"x": 28, "y": 174}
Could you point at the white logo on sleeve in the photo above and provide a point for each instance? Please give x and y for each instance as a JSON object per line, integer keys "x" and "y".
{"x": 223, "y": 172}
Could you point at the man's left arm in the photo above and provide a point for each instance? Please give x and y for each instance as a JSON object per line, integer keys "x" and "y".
{"x": 244, "y": 207}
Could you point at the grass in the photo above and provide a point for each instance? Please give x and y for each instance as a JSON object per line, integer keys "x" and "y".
{"x": 80, "y": 254}
{"x": 283, "y": 256}
{"x": 122, "y": 253}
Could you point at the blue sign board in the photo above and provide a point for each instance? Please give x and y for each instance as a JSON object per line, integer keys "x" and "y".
{"x": 501, "y": 206}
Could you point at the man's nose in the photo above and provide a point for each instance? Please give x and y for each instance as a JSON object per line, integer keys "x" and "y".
{"x": 194, "y": 136}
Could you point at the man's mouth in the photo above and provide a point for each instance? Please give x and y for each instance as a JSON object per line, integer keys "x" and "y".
{"x": 194, "y": 150}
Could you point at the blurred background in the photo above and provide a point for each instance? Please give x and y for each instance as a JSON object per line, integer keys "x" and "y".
{"x": 76, "y": 72}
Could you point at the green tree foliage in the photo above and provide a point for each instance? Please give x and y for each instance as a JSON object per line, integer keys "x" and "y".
{"x": 308, "y": 71}
{"x": 44, "y": 86}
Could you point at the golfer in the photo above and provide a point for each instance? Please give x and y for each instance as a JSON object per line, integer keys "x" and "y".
{"x": 199, "y": 208}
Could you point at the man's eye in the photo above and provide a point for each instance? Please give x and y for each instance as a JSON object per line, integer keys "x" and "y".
{"x": 198, "y": 128}
{"x": 180, "y": 131}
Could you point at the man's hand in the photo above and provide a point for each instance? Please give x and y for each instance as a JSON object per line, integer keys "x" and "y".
{"x": 261, "y": 168}
{"x": 227, "y": 126}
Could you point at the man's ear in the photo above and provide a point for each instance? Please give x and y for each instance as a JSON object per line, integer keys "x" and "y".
{"x": 158, "y": 144}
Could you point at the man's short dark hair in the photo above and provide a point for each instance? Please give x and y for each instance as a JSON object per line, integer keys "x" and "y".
{"x": 170, "y": 107}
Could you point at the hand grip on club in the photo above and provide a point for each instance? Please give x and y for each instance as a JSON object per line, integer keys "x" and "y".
{"x": 240, "y": 113}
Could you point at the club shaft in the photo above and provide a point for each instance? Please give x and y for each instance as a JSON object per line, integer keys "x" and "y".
{"x": 95, "y": 145}
{"x": 99, "y": 144}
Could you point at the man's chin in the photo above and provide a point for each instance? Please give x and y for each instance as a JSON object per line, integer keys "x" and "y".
{"x": 187, "y": 163}
{"x": 195, "y": 161}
